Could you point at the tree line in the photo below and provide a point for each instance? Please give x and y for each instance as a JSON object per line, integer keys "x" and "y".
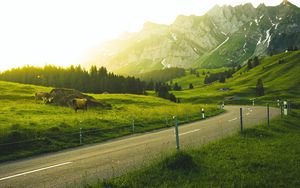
{"x": 220, "y": 76}
{"x": 96, "y": 80}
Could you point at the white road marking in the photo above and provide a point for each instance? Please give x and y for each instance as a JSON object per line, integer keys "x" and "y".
{"x": 189, "y": 132}
{"x": 233, "y": 119}
{"x": 32, "y": 171}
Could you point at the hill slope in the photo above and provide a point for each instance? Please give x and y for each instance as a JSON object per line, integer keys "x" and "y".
{"x": 281, "y": 81}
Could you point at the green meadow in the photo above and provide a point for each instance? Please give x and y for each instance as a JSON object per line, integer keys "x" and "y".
{"x": 28, "y": 128}
{"x": 281, "y": 81}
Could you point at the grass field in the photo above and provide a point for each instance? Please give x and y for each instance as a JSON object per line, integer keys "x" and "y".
{"x": 29, "y": 128}
{"x": 281, "y": 81}
{"x": 259, "y": 157}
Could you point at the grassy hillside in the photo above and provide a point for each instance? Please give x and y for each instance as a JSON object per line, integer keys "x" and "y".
{"x": 260, "y": 157}
{"x": 281, "y": 81}
{"x": 29, "y": 128}
{"x": 192, "y": 78}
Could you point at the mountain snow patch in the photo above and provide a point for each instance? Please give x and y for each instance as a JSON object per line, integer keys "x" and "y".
{"x": 174, "y": 36}
{"x": 259, "y": 41}
{"x": 261, "y": 17}
{"x": 164, "y": 64}
{"x": 271, "y": 21}
{"x": 220, "y": 45}
{"x": 244, "y": 47}
{"x": 268, "y": 37}
{"x": 214, "y": 25}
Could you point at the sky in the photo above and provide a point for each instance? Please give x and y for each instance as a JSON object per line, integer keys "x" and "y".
{"x": 61, "y": 32}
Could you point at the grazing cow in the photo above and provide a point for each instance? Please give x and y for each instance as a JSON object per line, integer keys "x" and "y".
{"x": 44, "y": 96}
{"x": 80, "y": 104}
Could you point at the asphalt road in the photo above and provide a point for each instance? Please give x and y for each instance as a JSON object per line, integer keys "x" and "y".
{"x": 88, "y": 163}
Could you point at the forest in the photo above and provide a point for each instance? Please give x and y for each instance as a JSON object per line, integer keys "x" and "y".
{"x": 96, "y": 80}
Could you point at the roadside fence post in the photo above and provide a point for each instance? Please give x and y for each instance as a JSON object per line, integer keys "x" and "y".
{"x": 268, "y": 113}
{"x": 285, "y": 108}
{"x": 80, "y": 136}
{"x": 241, "y": 118}
{"x": 176, "y": 132}
{"x": 203, "y": 115}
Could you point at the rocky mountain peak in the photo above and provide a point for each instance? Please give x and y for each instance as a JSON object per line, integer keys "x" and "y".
{"x": 285, "y": 2}
{"x": 225, "y": 36}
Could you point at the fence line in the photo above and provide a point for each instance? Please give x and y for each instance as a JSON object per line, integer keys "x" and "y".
{"x": 168, "y": 121}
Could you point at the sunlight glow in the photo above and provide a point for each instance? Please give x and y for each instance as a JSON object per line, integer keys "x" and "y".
{"x": 61, "y": 32}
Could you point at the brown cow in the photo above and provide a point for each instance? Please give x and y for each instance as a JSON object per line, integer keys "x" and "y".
{"x": 80, "y": 104}
{"x": 44, "y": 96}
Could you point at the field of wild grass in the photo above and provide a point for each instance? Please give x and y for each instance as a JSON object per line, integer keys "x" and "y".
{"x": 28, "y": 128}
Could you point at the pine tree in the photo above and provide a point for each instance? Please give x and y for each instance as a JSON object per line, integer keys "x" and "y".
{"x": 173, "y": 98}
{"x": 256, "y": 61}
{"x": 222, "y": 78}
{"x": 249, "y": 64}
{"x": 260, "y": 88}
{"x": 176, "y": 87}
{"x": 206, "y": 80}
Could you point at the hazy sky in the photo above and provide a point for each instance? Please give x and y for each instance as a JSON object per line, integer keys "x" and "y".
{"x": 61, "y": 32}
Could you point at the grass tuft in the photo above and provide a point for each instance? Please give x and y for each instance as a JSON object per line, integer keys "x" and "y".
{"x": 180, "y": 161}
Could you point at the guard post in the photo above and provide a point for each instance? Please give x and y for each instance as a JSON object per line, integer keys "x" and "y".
{"x": 202, "y": 112}
{"x": 176, "y": 132}
{"x": 133, "y": 127}
{"x": 285, "y": 108}
{"x": 241, "y": 118}
{"x": 253, "y": 101}
{"x": 80, "y": 136}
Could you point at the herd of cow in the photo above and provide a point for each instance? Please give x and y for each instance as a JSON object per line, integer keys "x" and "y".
{"x": 76, "y": 103}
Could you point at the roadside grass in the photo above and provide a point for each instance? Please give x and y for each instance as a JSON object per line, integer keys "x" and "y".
{"x": 32, "y": 128}
{"x": 259, "y": 157}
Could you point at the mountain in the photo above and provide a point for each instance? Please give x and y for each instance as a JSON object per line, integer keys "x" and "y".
{"x": 224, "y": 36}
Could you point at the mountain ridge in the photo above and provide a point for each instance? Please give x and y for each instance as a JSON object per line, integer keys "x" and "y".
{"x": 224, "y": 36}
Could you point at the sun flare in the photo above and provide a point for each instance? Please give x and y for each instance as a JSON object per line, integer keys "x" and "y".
{"x": 39, "y": 32}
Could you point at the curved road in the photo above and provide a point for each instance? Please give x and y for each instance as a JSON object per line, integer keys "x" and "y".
{"x": 85, "y": 164}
